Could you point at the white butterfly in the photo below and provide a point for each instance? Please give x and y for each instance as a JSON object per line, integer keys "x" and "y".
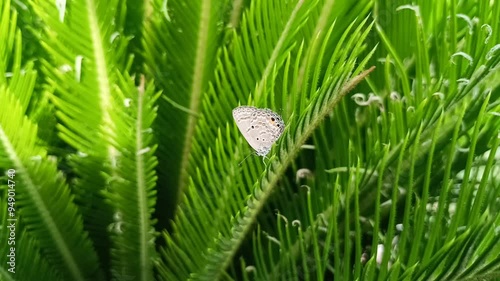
{"x": 261, "y": 127}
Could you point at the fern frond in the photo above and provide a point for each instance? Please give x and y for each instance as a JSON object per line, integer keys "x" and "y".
{"x": 132, "y": 189}
{"x": 181, "y": 41}
{"x": 43, "y": 200}
{"x": 86, "y": 48}
{"x": 399, "y": 181}
{"x": 27, "y": 254}
{"x": 228, "y": 241}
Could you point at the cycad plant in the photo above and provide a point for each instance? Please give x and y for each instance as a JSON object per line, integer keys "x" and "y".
{"x": 120, "y": 158}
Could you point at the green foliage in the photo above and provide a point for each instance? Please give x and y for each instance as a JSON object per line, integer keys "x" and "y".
{"x": 119, "y": 158}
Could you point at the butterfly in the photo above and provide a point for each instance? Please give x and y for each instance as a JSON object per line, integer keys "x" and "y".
{"x": 261, "y": 127}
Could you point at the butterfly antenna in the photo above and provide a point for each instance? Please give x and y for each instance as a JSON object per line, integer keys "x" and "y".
{"x": 244, "y": 159}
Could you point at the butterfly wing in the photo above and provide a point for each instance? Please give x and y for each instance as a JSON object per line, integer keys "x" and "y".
{"x": 260, "y": 127}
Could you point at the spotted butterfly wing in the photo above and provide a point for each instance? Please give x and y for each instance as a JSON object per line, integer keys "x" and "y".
{"x": 261, "y": 127}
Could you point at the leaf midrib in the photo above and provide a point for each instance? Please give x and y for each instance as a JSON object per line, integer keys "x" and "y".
{"x": 142, "y": 191}
{"x": 50, "y": 225}
{"x": 196, "y": 92}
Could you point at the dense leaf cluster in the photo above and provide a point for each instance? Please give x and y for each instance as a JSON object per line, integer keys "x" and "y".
{"x": 119, "y": 158}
